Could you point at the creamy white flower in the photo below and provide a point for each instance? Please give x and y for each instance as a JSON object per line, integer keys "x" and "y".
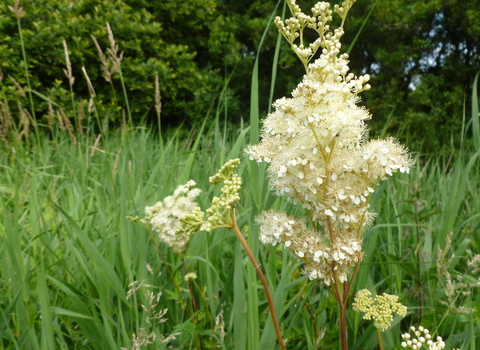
{"x": 322, "y": 261}
{"x": 316, "y": 147}
{"x": 164, "y": 217}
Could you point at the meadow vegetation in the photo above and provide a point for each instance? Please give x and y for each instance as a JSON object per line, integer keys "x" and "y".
{"x": 77, "y": 274}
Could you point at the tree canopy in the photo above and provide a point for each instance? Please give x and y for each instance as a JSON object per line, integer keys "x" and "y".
{"x": 422, "y": 56}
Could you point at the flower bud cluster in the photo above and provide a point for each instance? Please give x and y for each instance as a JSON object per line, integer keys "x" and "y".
{"x": 322, "y": 259}
{"x": 232, "y": 183}
{"x": 193, "y": 222}
{"x": 322, "y": 14}
{"x": 165, "y": 216}
{"x": 343, "y": 10}
{"x": 315, "y": 142}
{"x": 177, "y": 217}
{"x": 190, "y": 276}
{"x": 380, "y": 308}
{"x": 420, "y": 337}
{"x": 220, "y": 212}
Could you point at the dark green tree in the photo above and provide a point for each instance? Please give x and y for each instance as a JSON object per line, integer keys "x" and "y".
{"x": 422, "y": 56}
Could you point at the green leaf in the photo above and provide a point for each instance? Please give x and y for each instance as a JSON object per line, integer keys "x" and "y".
{"x": 64, "y": 312}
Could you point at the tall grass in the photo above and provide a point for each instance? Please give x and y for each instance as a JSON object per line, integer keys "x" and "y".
{"x": 70, "y": 254}
{"x": 76, "y": 274}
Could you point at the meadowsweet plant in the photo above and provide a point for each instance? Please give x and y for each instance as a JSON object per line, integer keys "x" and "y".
{"x": 318, "y": 154}
{"x": 164, "y": 219}
{"x": 222, "y": 213}
{"x": 177, "y": 217}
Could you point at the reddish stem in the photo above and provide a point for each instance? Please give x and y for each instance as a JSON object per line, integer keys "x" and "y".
{"x": 262, "y": 278}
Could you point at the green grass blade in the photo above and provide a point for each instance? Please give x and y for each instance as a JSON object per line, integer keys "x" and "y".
{"x": 475, "y": 114}
{"x": 47, "y": 339}
{"x": 350, "y": 47}
{"x": 186, "y": 174}
{"x": 106, "y": 273}
{"x": 280, "y": 294}
{"x": 240, "y": 321}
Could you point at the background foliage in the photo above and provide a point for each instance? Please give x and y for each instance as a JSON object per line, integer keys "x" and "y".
{"x": 422, "y": 56}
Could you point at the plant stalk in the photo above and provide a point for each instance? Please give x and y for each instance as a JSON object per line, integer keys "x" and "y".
{"x": 177, "y": 287}
{"x": 343, "y": 324}
{"x": 341, "y": 296}
{"x": 194, "y": 303}
{"x": 262, "y": 278}
{"x": 27, "y": 76}
{"x": 380, "y": 342}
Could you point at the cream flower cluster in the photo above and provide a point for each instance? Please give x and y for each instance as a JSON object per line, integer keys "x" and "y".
{"x": 311, "y": 247}
{"x": 380, "y": 308}
{"x": 177, "y": 217}
{"x": 421, "y": 337}
{"x": 315, "y": 142}
{"x": 164, "y": 217}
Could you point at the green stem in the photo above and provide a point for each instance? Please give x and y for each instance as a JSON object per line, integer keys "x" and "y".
{"x": 30, "y": 96}
{"x": 26, "y": 67}
{"x": 126, "y": 99}
{"x": 194, "y": 303}
{"x": 77, "y": 124}
{"x": 352, "y": 279}
{"x": 419, "y": 265}
{"x": 314, "y": 319}
{"x": 380, "y": 342}
{"x": 177, "y": 287}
